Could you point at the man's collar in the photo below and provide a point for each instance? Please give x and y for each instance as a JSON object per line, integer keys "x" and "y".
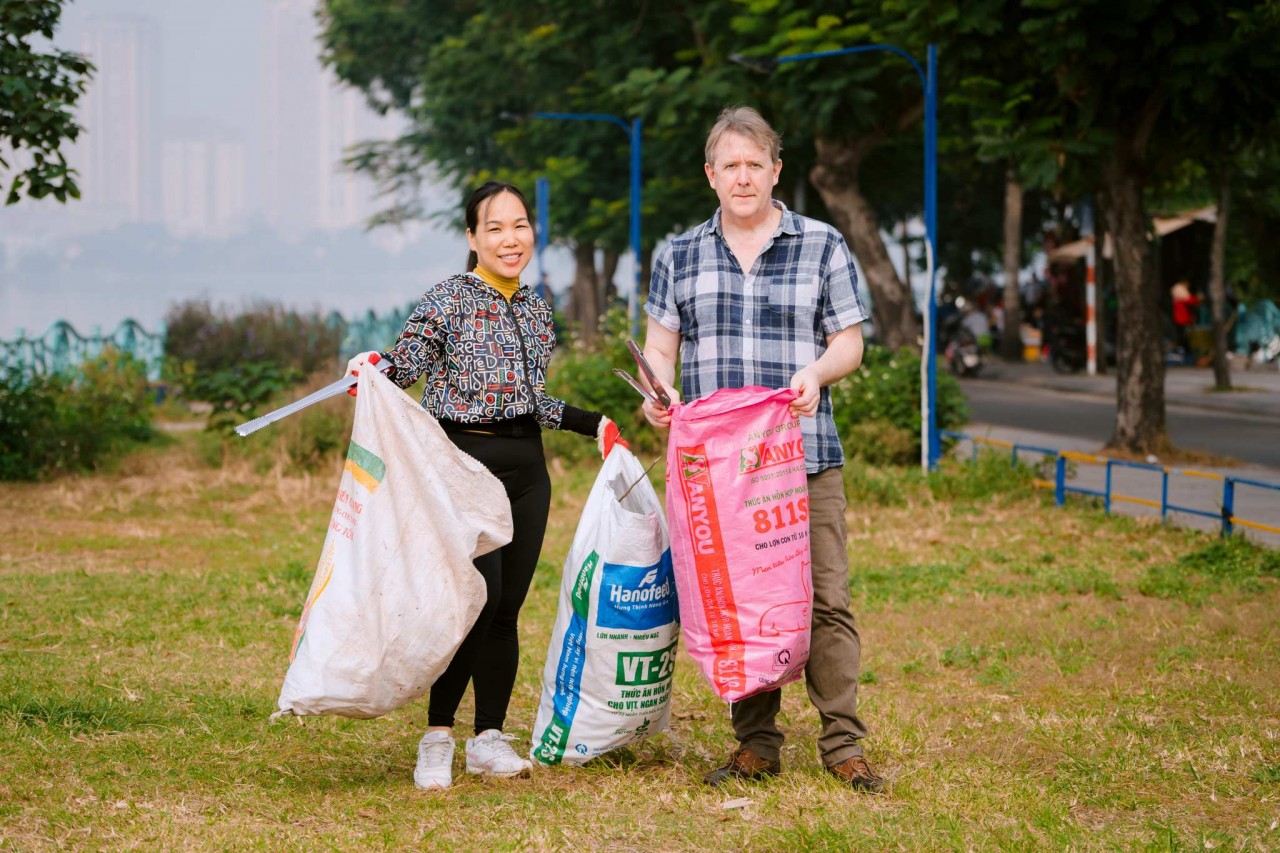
{"x": 788, "y": 224}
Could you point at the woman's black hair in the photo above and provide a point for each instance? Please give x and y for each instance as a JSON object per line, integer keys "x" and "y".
{"x": 487, "y": 191}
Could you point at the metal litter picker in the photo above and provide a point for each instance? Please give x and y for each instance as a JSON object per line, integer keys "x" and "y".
{"x": 333, "y": 389}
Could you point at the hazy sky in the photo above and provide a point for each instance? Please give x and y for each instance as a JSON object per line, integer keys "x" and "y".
{"x": 209, "y": 73}
{"x": 209, "y": 52}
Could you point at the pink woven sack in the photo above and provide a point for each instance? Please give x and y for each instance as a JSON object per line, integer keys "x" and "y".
{"x": 738, "y": 509}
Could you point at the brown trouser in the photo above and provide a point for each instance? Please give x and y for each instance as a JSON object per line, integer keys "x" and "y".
{"x": 831, "y": 674}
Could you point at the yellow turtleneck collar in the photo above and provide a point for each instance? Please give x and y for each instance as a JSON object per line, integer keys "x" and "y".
{"x": 506, "y": 286}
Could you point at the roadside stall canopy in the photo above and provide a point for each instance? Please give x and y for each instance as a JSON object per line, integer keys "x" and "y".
{"x": 1076, "y": 250}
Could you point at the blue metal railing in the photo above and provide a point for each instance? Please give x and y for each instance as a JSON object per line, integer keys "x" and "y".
{"x": 61, "y": 348}
{"x": 1225, "y": 515}
{"x": 372, "y": 331}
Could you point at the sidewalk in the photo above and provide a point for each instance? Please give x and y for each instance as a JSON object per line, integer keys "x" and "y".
{"x": 1255, "y": 392}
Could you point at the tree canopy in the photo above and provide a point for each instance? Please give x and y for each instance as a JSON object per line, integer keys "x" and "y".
{"x": 1074, "y": 98}
{"x": 37, "y": 92}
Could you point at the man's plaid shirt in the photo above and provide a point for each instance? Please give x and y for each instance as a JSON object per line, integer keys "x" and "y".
{"x": 739, "y": 330}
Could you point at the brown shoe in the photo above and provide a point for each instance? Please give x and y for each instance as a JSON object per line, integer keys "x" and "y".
{"x": 857, "y": 774}
{"x": 744, "y": 763}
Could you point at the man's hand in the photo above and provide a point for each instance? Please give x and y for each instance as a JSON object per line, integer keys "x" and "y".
{"x": 661, "y": 347}
{"x": 658, "y": 414}
{"x": 805, "y": 383}
{"x": 359, "y": 361}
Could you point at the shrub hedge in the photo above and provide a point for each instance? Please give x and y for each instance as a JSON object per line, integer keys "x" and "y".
{"x": 205, "y": 340}
{"x": 75, "y": 422}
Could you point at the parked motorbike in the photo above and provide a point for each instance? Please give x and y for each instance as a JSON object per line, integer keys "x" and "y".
{"x": 960, "y": 346}
{"x": 1068, "y": 352}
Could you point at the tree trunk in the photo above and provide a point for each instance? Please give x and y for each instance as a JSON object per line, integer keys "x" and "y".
{"x": 609, "y": 290}
{"x": 1101, "y": 310}
{"x": 1140, "y": 405}
{"x": 586, "y": 304}
{"x": 1218, "y": 284}
{"x": 835, "y": 175}
{"x": 1011, "y": 333}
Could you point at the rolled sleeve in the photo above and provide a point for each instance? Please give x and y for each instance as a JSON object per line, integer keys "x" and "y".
{"x": 661, "y": 304}
{"x": 842, "y": 307}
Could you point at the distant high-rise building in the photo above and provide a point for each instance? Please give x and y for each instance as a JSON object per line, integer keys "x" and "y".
{"x": 203, "y": 177}
{"x": 230, "y": 201}
{"x": 116, "y": 153}
{"x": 311, "y": 122}
{"x": 184, "y": 177}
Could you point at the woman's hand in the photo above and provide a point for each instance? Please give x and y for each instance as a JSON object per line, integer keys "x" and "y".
{"x": 608, "y": 436}
{"x": 359, "y": 361}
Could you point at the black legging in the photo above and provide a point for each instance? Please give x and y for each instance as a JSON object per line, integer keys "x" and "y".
{"x": 490, "y": 654}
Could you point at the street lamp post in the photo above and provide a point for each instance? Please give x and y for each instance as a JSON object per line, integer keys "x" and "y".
{"x": 632, "y": 131}
{"x": 931, "y": 445}
{"x": 542, "y": 197}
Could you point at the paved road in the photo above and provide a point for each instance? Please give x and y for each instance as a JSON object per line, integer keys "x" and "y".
{"x": 1251, "y": 438}
{"x": 1029, "y": 404}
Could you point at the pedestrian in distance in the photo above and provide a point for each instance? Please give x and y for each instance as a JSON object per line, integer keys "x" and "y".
{"x": 1184, "y": 315}
{"x": 759, "y": 295}
{"x": 483, "y": 340}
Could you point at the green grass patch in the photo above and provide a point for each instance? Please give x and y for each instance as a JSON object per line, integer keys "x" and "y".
{"x": 1223, "y": 563}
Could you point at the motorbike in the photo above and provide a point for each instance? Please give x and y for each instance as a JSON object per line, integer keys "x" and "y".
{"x": 960, "y": 346}
{"x": 1067, "y": 349}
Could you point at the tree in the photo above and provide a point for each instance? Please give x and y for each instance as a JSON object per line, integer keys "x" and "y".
{"x": 1253, "y": 254}
{"x": 1235, "y": 121}
{"x": 468, "y": 75}
{"x": 857, "y": 106}
{"x": 850, "y": 111}
{"x": 37, "y": 93}
{"x": 995, "y": 97}
{"x": 1128, "y": 88}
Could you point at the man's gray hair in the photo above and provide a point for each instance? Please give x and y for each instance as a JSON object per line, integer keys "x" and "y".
{"x": 744, "y": 121}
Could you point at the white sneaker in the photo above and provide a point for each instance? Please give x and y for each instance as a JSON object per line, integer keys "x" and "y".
{"x": 490, "y": 753}
{"x": 435, "y": 761}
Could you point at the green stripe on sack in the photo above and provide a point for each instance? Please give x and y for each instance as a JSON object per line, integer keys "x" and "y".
{"x": 368, "y": 461}
{"x": 582, "y": 585}
{"x": 555, "y": 740}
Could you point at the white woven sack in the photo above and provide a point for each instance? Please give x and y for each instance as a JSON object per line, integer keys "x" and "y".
{"x": 607, "y": 679}
{"x": 395, "y": 591}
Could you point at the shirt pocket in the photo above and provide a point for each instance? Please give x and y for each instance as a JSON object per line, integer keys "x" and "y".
{"x": 795, "y": 296}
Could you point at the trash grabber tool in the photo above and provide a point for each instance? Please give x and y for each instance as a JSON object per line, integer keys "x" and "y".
{"x": 333, "y": 389}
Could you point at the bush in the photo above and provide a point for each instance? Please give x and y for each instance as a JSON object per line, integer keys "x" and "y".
{"x": 991, "y": 475}
{"x": 314, "y": 439}
{"x": 59, "y": 423}
{"x": 207, "y": 340}
{"x": 239, "y": 393}
{"x": 877, "y": 408}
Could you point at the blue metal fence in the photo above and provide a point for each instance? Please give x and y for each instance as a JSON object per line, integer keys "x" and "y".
{"x": 371, "y": 331}
{"x": 61, "y": 348}
{"x": 1225, "y": 515}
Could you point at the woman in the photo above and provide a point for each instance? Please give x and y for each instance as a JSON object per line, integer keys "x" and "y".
{"x": 483, "y": 340}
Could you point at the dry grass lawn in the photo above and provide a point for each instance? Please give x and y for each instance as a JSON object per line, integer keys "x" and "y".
{"x": 1033, "y": 677}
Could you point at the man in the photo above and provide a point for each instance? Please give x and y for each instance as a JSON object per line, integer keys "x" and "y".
{"x": 759, "y": 295}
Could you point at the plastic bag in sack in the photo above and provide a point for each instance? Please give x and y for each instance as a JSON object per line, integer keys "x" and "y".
{"x": 607, "y": 680}
{"x": 395, "y": 591}
{"x": 738, "y": 505}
